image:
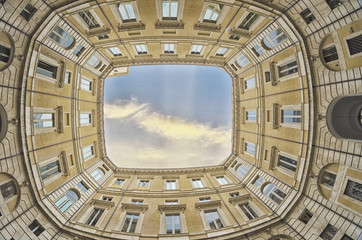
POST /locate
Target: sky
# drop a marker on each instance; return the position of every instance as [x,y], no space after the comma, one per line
[166,116]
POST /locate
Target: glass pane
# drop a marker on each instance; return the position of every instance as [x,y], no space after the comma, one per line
[165,9]
[174,9]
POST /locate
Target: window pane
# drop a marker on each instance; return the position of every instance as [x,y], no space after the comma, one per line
[354,190]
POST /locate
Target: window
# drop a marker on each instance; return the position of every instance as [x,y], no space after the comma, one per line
[108,199]
[43,120]
[102,36]
[89,19]
[250,115]
[274,193]
[67,200]
[50,169]
[305,216]
[287,163]
[36,228]
[329,232]
[346,237]
[205,199]
[234,194]
[221,51]
[257,182]
[85,118]
[78,50]
[330,54]
[94,62]
[257,50]
[85,84]
[291,116]
[171,185]
[242,170]
[197,183]
[88,151]
[97,174]
[274,38]
[126,11]
[137,201]
[212,12]
[234,37]
[355,45]
[130,222]
[242,61]
[250,83]
[250,148]
[141,49]
[94,217]
[8,189]
[61,37]
[267,76]
[287,69]
[144,183]
[82,187]
[171,202]
[333,3]
[353,190]
[213,219]
[168,48]
[4,53]
[169,9]
[307,15]
[115,51]
[67,77]
[222,180]
[119,181]
[47,69]
[328,179]
[234,67]
[248,211]
[248,21]
[27,13]
[196,49]
[173,223]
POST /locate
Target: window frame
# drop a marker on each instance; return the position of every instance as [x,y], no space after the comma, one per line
[344,186]
[199,180]
[348,37]
[272,191]
[167,185]
[165,51]
[194,49]
[222,183]
[83,23]
[144,49]
[251,111]
[245,83]
[130,223]
[57,114]
[253,24]
[95,177]
[223,52]
[90,88]
[90,219]
[68,199]
[272,41]
[15,192]
[53,177]
[246,143]
[92,149]
[51,62]
[62,38]
[293,108]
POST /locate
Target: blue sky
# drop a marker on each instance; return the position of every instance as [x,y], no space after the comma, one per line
[168,116]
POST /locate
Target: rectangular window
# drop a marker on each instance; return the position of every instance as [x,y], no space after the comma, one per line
[250,83]
[43,120]
[126,11]
[221,51]
[8,189]
[119,181]
[222,180]
[141,49]
[47,69]
[287,69]
[78,50]
[4,53]
[305,216]
[213,219]
[108,199]
[257,182]
[171,185]
[196,49]
[333,3]
[248,211]
[169,9]
[205,199]
[257,50]
[94,217]
[329,232]
[197,183]
[85,118]
[49,170]
[234,67]
[234,37]
[130,222]
[346,237]
[355,45]
[89,19]
[267,76]
[36,228]
[137,201]
[115,51]
[248,21]
[85,84]
[168,48]
[307,15]
[250,148]
[212,12]
[82,187]
[144,183]
[173,223]
[330,54]
[234,194]
[354,190]
[250,115]
[102,36]
[88,151]
[291,116]
[28,12]
[67,77]
[171,202]
[287,163]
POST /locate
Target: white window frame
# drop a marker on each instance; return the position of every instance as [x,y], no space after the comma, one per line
[115,52]
[116,179]
[243,173]
[198,186]
[222,183]
[130,222]
[82,116]
[95,177]
[273,42]
[171,180]
[195,47]
[297,125]
[64,203]
[253,25]
[51,62]
[242,63]
[91,62]
[272,192]
[88,213]
[55,176]
[171,202]
[93,150]
[143,47]
[63,38]
[83,24]
[248,79]
[253,206]
[90,89]
[251,115]
[222,51]
[144,180]
[180,8]
[56,123]
[221,217]
[118,16]
[285,170]
[167,47]
[246,143]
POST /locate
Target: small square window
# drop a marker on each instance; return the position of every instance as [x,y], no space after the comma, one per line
[36,228]
[257,50]
[196,49]
[353,190]
[305,216]
[141,49]
[307,15]
[78,50]
[329,232]
[171,185]
[333,3]
[248,21]
[144,183]
[355,45]
[169,48]
[82,187]
[115,51]
[28,12]
[221,51]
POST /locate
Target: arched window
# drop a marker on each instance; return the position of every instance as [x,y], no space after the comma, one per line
[242,61]
[3,122]
[67,200]
[274,193]
[242,170]
[62,37]
[274,38]
[94,62]
[97,174]
[7,49]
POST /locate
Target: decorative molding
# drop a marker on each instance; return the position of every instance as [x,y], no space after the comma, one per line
[134,207]
[209,204]
[175,207]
